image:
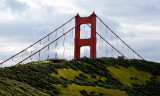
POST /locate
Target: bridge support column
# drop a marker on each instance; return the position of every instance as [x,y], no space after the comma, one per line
[78,43]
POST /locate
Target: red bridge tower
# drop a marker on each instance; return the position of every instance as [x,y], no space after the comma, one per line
[78,43]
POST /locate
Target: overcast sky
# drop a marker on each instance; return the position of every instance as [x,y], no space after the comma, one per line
[137,22]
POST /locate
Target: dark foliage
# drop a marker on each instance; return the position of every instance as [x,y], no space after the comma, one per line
[152,88]
[38,75]
[84,93]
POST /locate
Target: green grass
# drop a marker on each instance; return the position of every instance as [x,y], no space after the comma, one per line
[108,76]
[129,75]
[14,88]
[67,73]
[89,78]
[70,74]
[74,90]
[158,79]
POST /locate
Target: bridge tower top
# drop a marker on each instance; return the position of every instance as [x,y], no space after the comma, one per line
[78,43]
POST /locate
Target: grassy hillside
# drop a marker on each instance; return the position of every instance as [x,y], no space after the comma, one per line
[82,77]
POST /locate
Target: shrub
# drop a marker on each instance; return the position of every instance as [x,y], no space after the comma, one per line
[84,93]
[92,93]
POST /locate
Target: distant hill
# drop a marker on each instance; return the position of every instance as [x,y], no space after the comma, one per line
[82,77]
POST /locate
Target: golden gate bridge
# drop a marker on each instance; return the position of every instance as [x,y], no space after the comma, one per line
[80,36]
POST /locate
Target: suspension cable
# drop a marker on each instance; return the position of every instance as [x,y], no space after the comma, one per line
[46,46]
[119,38]
[111,45]
[38,41]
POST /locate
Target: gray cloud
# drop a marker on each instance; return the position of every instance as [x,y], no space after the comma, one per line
[28,24]
[15,5]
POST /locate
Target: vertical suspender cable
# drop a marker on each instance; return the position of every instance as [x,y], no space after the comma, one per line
[106,53]
[100,39]
[69,37]
[128,52]
[63,44]
[71,45]
[133,55]
[48,50]
[106,44]
[40,51]
[122,48]
[111,47]
[22,55]
[31,57]
[70,42]
[56,48]
[102,49]
[117,47]
[12,61]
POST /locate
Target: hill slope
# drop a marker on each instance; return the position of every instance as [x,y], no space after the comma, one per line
[78,77]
